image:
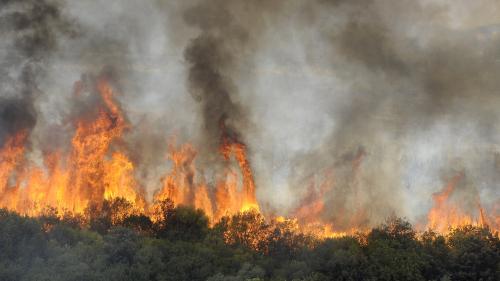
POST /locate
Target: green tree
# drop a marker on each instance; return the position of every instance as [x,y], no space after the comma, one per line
[393,252]
[475,254]
[110,213]
[121,244]
[186,223]
[340,259]
[141,223]
[436,254]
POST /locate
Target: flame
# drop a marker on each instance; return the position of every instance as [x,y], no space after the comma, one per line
[11,155]
[228,148]
[448,213]
[314,218]
[179,183]
[232,193]
[95,168]
[202,200]
[88,174]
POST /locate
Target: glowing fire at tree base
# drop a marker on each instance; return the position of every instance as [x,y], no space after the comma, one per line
[95,170]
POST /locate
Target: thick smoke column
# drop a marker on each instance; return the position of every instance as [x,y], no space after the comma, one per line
[227,40]
[211,57]
[30,31]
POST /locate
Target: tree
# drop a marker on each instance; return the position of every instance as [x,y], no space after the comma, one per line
[162,212]
[110,213]
[436,254]
[340,258]
[121,244]
[474,253]
[248,229]
[186,223]
[20,238]
[141,223]
[393,252]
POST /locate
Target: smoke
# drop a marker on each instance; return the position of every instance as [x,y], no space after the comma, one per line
[211,58]
[374,103]
[227,40]
[123,42]
[30,31]
[406,72]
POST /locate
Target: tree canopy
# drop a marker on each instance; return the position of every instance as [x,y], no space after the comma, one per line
[113,242]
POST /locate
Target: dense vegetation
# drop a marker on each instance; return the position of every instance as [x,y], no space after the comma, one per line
[113,243]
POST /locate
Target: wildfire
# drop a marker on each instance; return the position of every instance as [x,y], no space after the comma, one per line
[312,212]
[88,174]
[448,212]
[231,195]
[96,168]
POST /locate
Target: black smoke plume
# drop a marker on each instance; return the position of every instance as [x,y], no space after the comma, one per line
[30,31]
[211,57]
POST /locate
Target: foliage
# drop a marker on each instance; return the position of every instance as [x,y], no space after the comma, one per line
[176,243]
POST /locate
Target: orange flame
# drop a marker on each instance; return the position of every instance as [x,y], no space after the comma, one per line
[247,199]
[313,217]
[96,169]
[448,213]
[181,187]
[70,183]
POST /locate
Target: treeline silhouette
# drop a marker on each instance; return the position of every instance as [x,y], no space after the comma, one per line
[114,242]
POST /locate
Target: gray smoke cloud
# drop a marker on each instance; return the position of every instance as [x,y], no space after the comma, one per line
[121,42]
[30,32]
[211,57]
[227,40]
[378,103]
[406,73]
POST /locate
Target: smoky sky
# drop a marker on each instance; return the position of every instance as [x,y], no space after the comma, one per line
[209,75]
[30,33]
[227,40]
[405,76]
[408,89]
